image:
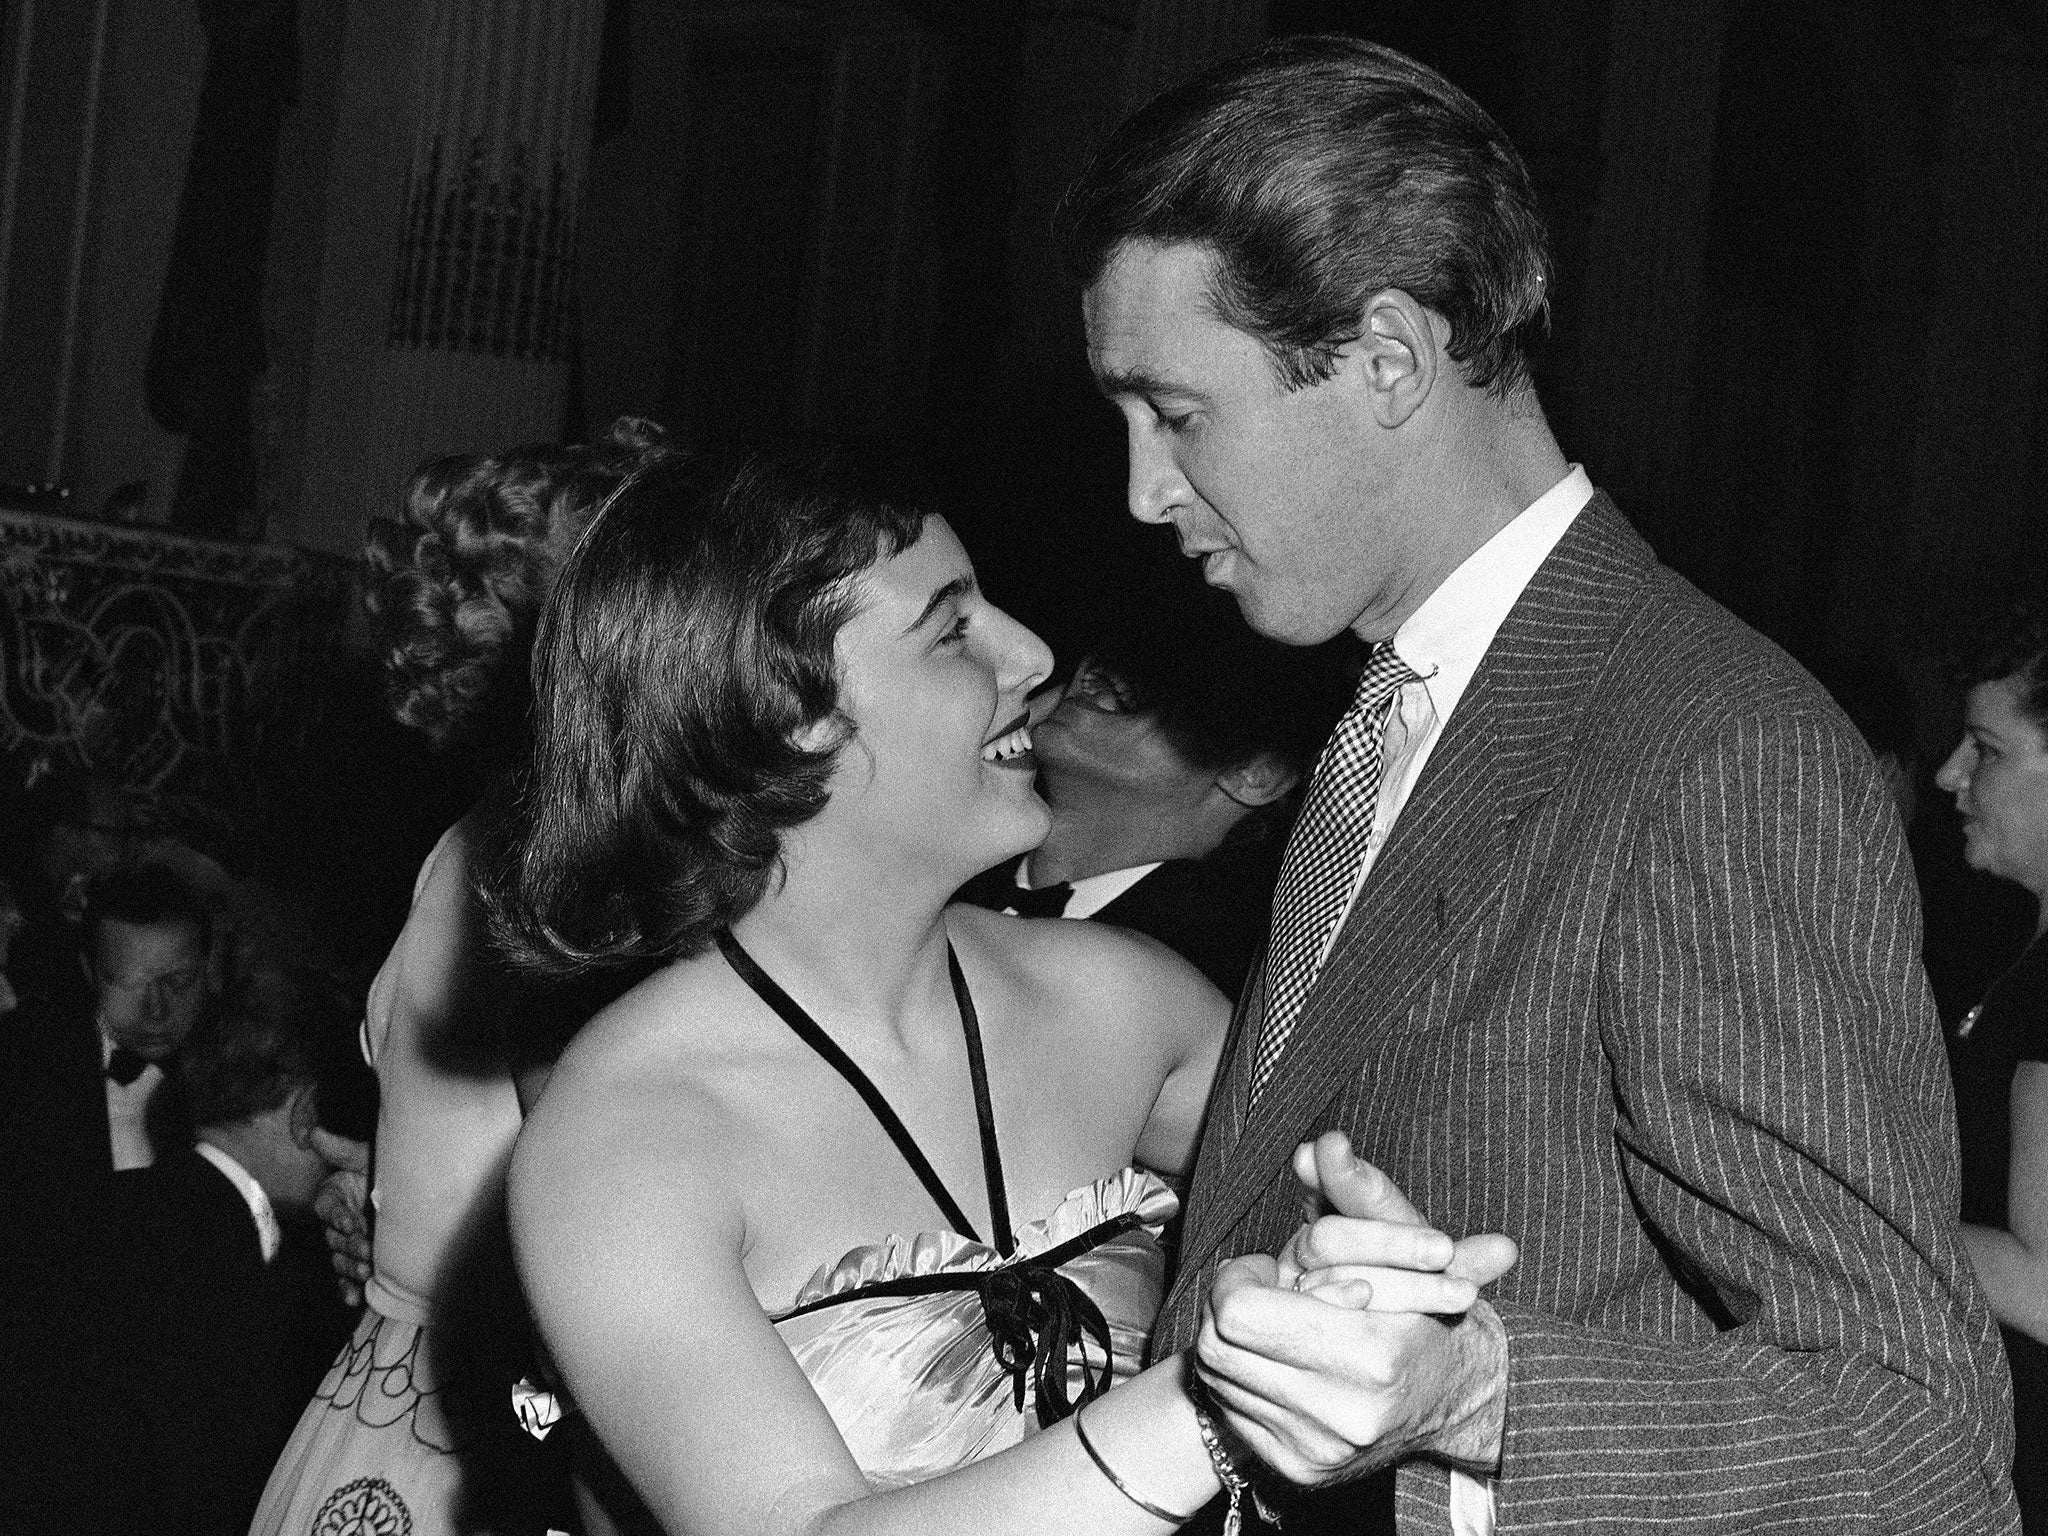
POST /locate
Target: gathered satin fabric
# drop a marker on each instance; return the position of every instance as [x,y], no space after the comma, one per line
[913,1382]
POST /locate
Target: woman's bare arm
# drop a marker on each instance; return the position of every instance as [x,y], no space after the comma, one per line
[631,1255]
[2013,1262]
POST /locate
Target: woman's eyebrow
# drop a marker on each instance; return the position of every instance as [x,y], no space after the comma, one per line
[958,587]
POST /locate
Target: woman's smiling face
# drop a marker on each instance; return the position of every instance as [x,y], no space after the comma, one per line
[1998,774]
[933,679]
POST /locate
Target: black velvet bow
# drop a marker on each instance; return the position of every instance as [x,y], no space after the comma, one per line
[1038,1320]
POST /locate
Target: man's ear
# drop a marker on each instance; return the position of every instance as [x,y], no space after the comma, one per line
[1258,780]
[1397,355]
[304,1118]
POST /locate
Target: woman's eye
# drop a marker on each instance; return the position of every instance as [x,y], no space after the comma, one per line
[955,632]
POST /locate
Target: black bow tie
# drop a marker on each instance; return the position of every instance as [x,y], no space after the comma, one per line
[124,1066]
[1041,901]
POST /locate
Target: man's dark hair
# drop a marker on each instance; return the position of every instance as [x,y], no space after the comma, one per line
[2012,642]
[686,649]
[146,895]
[1222,694]
[1319,171]
[258,1046]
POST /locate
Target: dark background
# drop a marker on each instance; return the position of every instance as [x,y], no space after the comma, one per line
[1798,321]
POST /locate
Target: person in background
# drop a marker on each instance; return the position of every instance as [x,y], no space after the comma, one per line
[88,1097]
[412,1428]
[217,1317]
[1170,761]
[87,1086]
[72,825]
[1998,1051]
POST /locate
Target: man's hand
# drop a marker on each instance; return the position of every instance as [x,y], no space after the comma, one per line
[1411,1262]
[342,1204]
[1365,1343]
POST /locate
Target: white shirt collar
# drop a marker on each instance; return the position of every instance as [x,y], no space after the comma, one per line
[1093,892]
[268,1232]
[1446,638]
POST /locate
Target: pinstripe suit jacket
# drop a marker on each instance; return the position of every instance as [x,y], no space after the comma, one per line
[1636,981]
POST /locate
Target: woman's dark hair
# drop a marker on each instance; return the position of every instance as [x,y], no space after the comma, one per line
[455,586]
[2012,642]
[686,650]
[1319,171]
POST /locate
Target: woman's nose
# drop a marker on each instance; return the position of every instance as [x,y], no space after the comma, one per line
[1025,660]
[1954,773]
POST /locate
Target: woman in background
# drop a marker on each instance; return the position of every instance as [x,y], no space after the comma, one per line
[1998,1052]
[412,1429]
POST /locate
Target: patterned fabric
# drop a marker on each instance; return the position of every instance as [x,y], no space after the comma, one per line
[395,1441]
[911,1381]
[1636,981]
[1324,852]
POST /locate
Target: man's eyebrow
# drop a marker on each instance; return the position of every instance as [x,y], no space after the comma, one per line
[958,587]
[1114,382]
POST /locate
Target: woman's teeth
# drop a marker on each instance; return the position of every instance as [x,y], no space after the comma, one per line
[1005,747]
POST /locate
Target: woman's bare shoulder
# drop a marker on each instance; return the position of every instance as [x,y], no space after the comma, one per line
[630,1099]
[1091,972]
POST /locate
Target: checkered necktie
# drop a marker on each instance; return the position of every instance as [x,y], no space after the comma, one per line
[1324,853]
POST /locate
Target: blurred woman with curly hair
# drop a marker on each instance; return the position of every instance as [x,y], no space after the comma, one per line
[411,1430]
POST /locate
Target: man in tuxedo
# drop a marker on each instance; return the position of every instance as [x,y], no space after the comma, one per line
[1170,761]
[88,1095]
[1596,928]
[87,1081]
[213,1317]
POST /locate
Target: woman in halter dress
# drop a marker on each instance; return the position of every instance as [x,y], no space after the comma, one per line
[831,1223]
[412,1429]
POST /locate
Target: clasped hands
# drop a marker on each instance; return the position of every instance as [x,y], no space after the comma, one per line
[1364,1341]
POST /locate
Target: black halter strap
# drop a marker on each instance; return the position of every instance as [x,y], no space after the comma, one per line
[807,1029]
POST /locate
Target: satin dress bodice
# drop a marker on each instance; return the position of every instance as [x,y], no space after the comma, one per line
[914,1382]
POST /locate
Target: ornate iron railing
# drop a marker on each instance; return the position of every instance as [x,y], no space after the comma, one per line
[149,655]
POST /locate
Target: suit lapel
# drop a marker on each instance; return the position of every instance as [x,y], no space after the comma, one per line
[1442,869]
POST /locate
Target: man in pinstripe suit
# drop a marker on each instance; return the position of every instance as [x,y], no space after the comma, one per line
[1621,949]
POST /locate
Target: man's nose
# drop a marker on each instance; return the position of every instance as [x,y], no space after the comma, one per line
[1157,485]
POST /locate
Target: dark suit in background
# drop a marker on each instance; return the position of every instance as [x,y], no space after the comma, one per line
[1213,912]
[1636,981]
[60,1201]
[215,1352]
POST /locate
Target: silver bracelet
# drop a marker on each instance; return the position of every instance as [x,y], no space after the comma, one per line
[1235,1485]
[1119,1484]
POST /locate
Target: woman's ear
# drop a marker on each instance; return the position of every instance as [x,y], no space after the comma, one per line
[825,734]
[1258,780]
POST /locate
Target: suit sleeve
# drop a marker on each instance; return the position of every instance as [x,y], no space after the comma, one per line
[1785,1127]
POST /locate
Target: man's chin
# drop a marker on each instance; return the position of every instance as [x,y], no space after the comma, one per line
[1280,622]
